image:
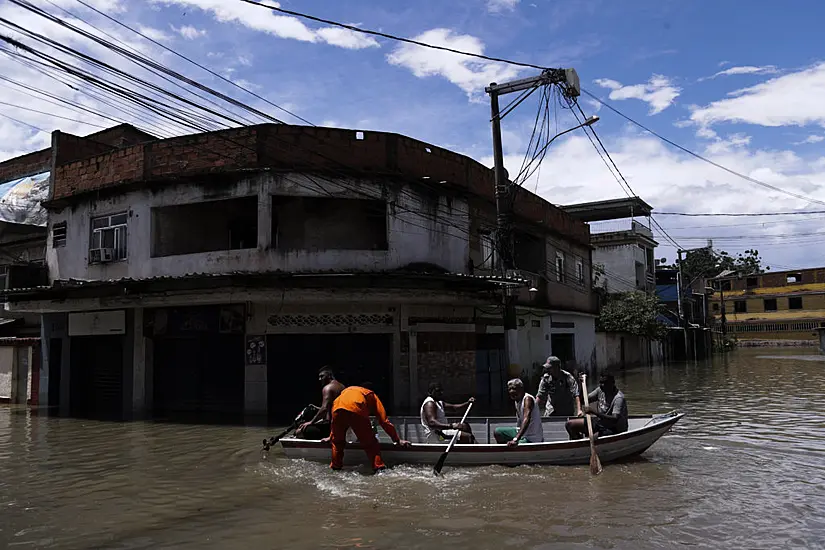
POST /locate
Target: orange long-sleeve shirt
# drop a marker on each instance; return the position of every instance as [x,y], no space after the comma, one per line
[364,402]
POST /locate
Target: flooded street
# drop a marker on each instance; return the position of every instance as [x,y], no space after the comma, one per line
[744,469]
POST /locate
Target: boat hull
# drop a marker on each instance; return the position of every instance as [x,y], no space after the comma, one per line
[610,449]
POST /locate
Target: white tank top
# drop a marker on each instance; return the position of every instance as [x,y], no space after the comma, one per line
[440,415]
[535,431]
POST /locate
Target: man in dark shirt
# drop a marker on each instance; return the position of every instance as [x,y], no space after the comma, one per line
[609,407]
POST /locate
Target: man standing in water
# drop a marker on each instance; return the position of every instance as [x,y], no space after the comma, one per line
[529,428]
[558,393]
[352,409]
[610,411]
[319,426]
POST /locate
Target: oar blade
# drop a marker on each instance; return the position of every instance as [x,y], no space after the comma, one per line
[595,463]
[440,464]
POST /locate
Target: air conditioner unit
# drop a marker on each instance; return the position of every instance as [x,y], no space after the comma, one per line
[101,255]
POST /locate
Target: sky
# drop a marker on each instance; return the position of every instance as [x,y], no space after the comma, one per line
[742,88]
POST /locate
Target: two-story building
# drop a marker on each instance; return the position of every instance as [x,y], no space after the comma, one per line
[215,273]
[776,306]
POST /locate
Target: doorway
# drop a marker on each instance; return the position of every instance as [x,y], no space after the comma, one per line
[563,346]
[293,361]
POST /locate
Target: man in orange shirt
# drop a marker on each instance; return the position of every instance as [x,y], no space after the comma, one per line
[352,409]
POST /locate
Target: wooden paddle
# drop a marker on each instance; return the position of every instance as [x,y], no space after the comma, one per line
[595,463]
[443,458]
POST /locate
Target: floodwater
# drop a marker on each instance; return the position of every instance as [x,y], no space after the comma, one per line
[744,469]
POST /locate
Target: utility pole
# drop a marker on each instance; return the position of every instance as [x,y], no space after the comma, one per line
[568,80]
[680,281]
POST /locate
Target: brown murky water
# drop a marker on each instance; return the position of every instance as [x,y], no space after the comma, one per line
[744,469]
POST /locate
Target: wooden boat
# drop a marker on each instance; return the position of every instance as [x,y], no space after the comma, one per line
[557,449]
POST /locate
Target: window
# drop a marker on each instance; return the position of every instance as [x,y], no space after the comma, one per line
[535,323]
[580,271]
[795,302]
[715,307]
[4,277]
[326,223]
[793,278]
[560,266]
[752,282]
[209,226]
[770,304]
[59,234]
[108,239]
[725,285]
[740,306]
[488,250]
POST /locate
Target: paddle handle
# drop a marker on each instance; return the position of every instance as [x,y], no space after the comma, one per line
[457,432]
[587,414]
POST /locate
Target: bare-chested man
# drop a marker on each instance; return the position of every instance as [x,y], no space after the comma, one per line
[319,426]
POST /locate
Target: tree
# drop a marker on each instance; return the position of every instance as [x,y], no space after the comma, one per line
[705,262]
[633,312]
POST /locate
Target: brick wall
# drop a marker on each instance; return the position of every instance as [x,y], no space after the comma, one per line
[449,358]
[25,165]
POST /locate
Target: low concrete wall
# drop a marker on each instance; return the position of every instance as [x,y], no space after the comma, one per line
[637,350]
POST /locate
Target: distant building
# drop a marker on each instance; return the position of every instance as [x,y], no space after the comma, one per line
[623,261]
[785,305]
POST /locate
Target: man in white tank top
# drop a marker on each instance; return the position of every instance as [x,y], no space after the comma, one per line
[434,418]
[530,429]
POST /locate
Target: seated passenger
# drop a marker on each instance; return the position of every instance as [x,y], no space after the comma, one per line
[609,407]
[529,428]
[434,418]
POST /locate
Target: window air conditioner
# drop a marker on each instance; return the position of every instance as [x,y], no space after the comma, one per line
[101,255]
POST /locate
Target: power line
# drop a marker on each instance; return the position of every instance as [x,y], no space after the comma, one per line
[50,114]
[210,71]
[390,36]
[700,157]
[742,214]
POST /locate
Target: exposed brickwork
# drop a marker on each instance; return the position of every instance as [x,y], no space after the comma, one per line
[780,278]
[25,165]
[302,148]
[449,358]
[69,148]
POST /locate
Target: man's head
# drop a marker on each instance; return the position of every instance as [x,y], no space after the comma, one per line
[436,391]
[515,388]
[607,383]
[325,375]
[552,366]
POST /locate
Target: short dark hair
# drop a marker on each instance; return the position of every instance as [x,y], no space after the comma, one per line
[326,370]
[433,386]
[607,377]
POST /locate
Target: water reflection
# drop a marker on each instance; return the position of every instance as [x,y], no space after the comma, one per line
[744,469]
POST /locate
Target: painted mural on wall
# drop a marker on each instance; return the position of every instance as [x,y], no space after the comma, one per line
[20,200]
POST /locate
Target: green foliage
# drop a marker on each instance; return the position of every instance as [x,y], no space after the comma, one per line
[707,263]
[633,312]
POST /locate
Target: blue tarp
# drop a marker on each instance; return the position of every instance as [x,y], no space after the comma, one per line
[20,200]
[667,293]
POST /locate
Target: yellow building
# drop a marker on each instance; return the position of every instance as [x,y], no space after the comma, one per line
[787,305]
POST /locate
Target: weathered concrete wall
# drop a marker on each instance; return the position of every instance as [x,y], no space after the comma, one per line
[584,331]
[420,229]
[620,267]
[637,350]
[6,365]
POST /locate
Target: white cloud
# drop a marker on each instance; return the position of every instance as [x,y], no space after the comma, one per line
[497,6]
[155,34]
[658,92]
[189,32]
[793,99]
[469,74]
[282,26]
[664,178]
[810,139]
[746,69]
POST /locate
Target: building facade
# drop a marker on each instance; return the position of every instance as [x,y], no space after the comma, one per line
[786,305]
[216,273]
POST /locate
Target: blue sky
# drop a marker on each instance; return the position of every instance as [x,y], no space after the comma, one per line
[740,86]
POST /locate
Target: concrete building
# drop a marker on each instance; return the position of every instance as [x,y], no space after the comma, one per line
[623,260]
[778,306]
[215,273]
